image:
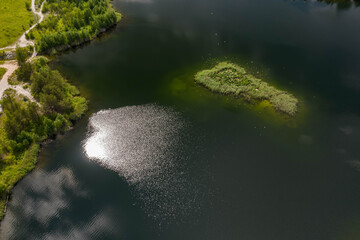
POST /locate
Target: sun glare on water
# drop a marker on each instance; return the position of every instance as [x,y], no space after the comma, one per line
[143,144]
[95,148]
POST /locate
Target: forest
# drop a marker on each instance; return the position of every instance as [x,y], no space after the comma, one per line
[25,124]
[71,23]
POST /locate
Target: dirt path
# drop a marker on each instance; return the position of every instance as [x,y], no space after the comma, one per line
[11,66]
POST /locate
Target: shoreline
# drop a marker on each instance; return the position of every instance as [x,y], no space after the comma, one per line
[65,48]
[29,158]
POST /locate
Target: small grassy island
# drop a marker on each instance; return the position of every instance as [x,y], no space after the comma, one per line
[228,78]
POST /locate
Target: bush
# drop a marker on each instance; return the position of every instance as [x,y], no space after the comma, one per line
[21,55]
[23,73]
[28,6]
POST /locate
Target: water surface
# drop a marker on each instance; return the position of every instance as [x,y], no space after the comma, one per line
[223,170]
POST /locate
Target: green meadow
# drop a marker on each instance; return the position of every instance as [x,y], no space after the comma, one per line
[15,18]
[2,72]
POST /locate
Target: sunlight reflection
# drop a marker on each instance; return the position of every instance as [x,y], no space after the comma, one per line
[144,144]
[95,146]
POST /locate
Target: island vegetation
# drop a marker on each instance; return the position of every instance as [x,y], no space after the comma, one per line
[15,18]
[228,78]
[54,105]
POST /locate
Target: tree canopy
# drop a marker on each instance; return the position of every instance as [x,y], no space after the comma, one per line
[72,22]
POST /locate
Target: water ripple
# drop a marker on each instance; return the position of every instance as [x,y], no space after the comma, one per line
[145,145]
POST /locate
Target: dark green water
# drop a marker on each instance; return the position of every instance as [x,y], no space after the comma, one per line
[239,173]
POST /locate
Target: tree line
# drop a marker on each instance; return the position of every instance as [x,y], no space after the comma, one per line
[24,122]
[72,22]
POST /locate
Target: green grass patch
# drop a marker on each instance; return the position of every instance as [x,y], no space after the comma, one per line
[13,173]
[228,78]
[2,72]
[15,19]
[3,199]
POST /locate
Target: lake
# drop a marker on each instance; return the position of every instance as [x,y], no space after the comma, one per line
[159,157]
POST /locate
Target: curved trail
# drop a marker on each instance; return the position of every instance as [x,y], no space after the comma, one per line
[11,66]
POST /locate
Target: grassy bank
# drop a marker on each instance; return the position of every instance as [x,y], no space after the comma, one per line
[15,18]
[11,174]
[2,72]
[227,78]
